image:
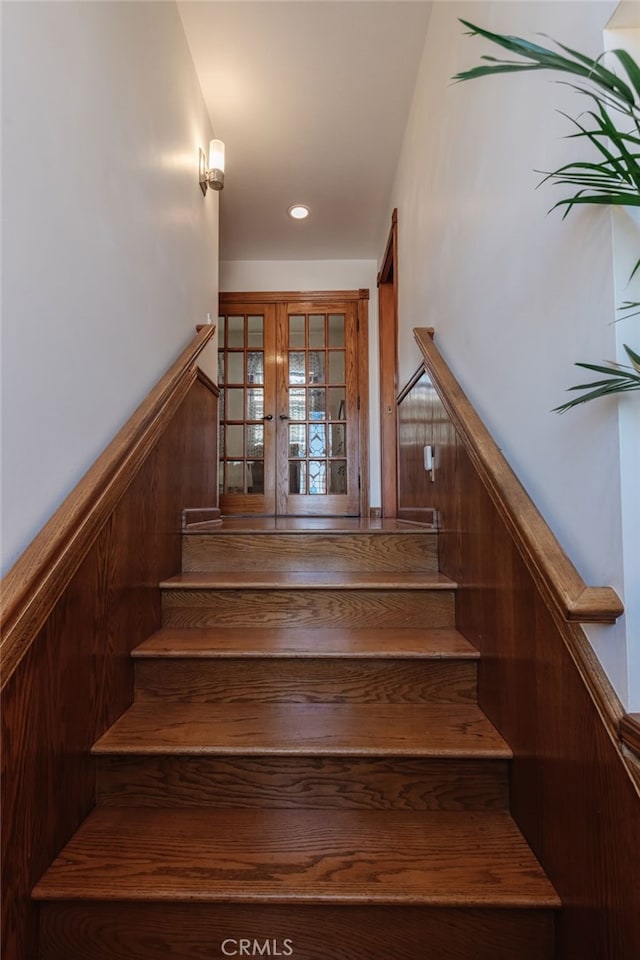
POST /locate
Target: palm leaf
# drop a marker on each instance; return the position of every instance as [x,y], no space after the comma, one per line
[596,395]
[613,180]
[620,379]
[541,58]
[612,369]
[618,172]
[595,383]
[601,75]
[628,305]
[631,68]
[609,200]
[633,356]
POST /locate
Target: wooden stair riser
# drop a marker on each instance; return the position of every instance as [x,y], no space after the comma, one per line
[339,608]
[356,783]
[335,680]
[184,931]
[310,551]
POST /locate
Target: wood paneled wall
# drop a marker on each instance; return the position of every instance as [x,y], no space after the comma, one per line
[70,680]
[572,790]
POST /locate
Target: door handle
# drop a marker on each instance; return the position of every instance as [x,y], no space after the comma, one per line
[284,416]
[269,416]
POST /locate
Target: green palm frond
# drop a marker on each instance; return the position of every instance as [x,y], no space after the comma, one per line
[611,178]
[620,378]
[629,308]
[537,57]
[614,178]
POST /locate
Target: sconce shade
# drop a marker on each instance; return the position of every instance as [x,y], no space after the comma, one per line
[216,155]
[212,176]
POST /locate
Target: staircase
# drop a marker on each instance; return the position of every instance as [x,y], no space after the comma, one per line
[305,770]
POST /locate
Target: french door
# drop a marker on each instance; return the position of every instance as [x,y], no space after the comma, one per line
[289,423]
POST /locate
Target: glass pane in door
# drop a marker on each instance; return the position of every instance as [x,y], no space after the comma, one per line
[336,403]
[255,440]
[255,331]
[336,330]
[297,440]
[296,332]
[338,476]
[234,441]
[255,367]
[336,366]
[316,366]
[298,477]
[241,364]
[235,332]
[317,476]
[316,374]
[337,439]
[298,404]
[316,330]
[235,368]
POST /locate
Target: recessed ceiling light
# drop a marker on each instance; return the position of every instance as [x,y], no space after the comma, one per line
[298,211]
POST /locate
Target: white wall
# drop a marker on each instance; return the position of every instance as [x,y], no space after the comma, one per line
[516,295]
[293,275]
[626,238]
[109,248]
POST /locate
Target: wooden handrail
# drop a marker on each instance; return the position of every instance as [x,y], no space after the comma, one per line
[630,732]
[35,582]
[555,575]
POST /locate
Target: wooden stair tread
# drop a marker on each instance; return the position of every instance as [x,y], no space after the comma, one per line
[298,856]
[320,729]
[308,580]
[388,642]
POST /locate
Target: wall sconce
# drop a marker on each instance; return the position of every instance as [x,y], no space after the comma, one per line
[212,175]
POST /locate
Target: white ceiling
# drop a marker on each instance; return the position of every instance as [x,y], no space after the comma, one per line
[311,98]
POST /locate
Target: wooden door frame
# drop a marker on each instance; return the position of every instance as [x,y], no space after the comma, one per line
[361,296]
[388,340]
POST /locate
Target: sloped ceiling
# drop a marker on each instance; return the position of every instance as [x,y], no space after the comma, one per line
[311,99]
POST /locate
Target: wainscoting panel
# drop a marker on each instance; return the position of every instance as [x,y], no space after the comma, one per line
[572,793]
[75,676]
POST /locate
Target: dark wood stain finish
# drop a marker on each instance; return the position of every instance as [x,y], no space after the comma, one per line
[356,783]
[76,676]
[337,680]
[375,551]
[388,351]
[299,856]
[317,933]
[630,732]
[307,642]
[571,791]
[295,751]
[319,729]
[331,608]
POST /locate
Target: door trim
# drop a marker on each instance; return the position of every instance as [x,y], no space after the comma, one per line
[361,296]
[272,296]
[388,334]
